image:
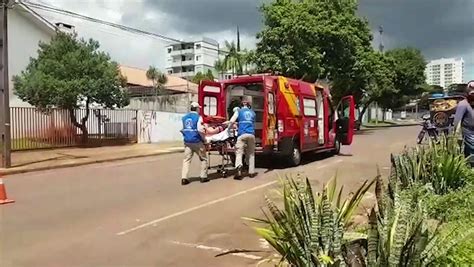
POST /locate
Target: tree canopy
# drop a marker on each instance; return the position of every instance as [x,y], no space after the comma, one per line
[203,77]
[71,73]
[319,39]
[158,79]
[312,39]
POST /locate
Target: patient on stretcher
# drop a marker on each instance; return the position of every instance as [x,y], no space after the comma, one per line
[222,132]
[219,133]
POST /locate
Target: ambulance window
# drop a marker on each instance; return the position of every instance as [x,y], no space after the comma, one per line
[309,107]
[271,104]
[210,106]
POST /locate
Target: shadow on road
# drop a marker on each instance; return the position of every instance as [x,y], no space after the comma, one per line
[62,156]
[365,132]
[276,163]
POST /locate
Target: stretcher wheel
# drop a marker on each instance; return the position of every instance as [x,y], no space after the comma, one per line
[224,174]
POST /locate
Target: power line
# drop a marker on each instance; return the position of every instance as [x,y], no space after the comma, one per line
[107,23]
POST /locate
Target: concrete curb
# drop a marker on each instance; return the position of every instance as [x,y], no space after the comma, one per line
[391,126]
[76,164]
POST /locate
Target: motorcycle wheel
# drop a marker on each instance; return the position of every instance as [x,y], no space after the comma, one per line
[433,135]
[420,137]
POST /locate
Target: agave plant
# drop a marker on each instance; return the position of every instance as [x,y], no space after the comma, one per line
[400,233]
[441,165]
[310,230]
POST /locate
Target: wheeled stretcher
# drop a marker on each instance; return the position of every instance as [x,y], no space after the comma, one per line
[222,144]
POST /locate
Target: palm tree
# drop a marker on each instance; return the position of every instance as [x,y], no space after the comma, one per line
[157,78]
[220,67]
[233,59]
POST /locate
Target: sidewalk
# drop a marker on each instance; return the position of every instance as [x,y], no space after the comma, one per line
[388,124]
[36,160]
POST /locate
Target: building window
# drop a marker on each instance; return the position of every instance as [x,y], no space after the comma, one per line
[210,106]
[170,72]
[309,107]
[198,46]
[169,50]
[198,58]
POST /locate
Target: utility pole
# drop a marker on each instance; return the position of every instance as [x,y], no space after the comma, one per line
[381,48]
[4,90]
[381,45]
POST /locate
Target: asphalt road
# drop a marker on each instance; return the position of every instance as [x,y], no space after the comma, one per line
[136,213]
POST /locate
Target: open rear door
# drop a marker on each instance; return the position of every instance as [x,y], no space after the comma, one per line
[346,120]
[269,113]
[212,99]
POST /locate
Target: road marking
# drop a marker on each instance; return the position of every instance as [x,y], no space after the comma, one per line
[207,204]
[219,250]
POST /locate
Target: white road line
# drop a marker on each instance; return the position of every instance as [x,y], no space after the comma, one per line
[219,250]
[207,204]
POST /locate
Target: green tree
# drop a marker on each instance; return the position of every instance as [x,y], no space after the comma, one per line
[203,77]
[233,59]
[249,59]
[312,39]
[71,73]
[220,67]
[377,77]
[459,88]
[409,66]
[157,78]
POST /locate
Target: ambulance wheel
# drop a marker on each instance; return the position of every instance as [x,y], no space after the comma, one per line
[337,147]
[295,157]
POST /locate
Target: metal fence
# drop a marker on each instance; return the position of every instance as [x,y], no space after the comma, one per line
[34,129]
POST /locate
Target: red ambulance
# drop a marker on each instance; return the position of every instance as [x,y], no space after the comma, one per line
[292,116]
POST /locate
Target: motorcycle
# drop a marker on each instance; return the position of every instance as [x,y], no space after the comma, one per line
[429,128]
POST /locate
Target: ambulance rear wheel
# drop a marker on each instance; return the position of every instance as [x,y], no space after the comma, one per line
[337,147]
[295,157]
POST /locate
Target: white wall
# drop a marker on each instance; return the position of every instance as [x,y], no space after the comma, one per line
[178,103]
[23,36]
[156,127]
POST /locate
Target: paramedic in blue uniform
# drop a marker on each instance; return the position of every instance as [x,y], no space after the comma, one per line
[193,134]
[245,117]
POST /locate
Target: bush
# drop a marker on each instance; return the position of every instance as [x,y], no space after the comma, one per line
[311,230]
[456,208]
[441,165]
[402,234]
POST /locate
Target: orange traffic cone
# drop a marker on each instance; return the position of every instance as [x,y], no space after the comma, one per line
[3,194]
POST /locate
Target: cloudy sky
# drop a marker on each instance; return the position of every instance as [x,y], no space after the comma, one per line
[440,28]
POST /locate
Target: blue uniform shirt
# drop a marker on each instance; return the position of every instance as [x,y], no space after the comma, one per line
[190,131]
[246,121]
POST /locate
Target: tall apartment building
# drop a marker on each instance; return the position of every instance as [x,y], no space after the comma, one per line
[445,71]
[185,59]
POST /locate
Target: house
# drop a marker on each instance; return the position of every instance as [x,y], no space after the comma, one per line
[140,85]
[26,28]
[177,95]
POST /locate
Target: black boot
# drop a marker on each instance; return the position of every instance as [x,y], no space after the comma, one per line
[253,175]
[204,180]
[184,181]
[238,173]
